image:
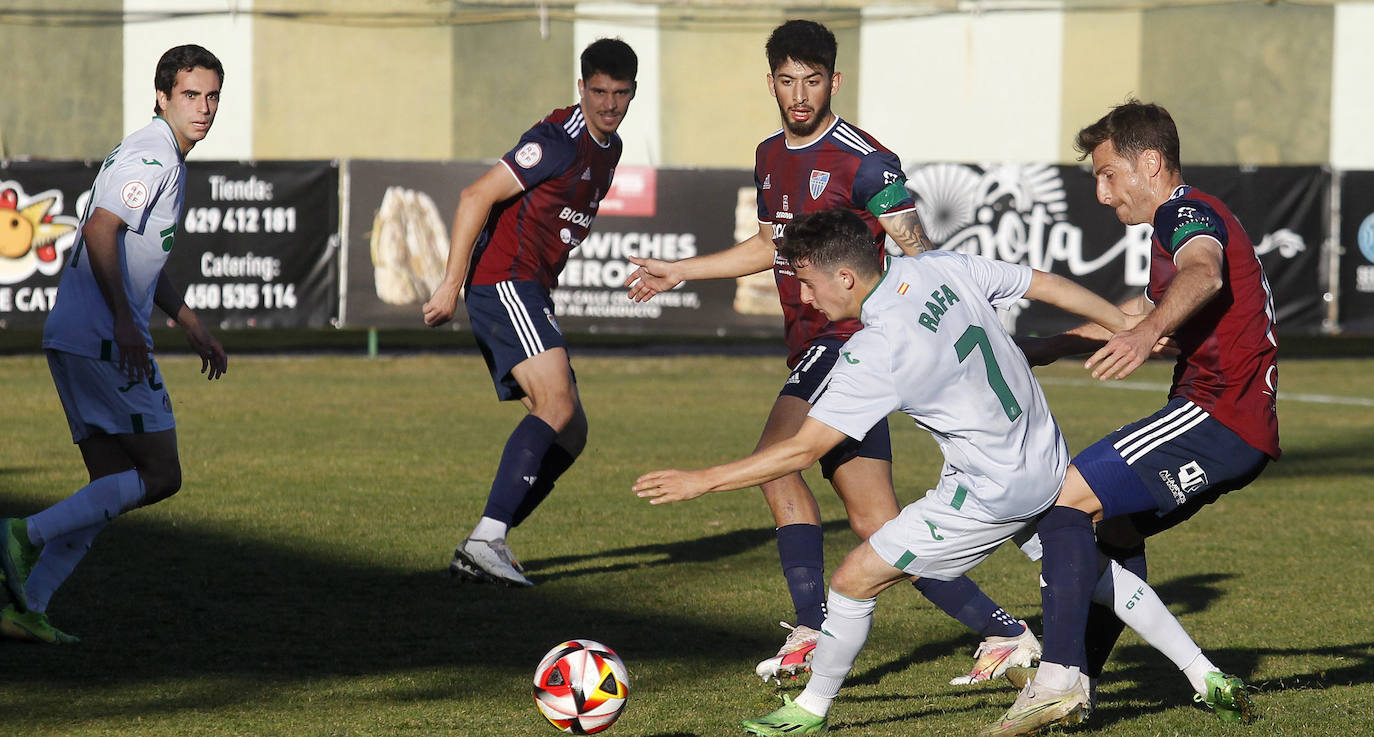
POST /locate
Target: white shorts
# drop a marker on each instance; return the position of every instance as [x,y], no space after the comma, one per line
[931,539]
[99,398]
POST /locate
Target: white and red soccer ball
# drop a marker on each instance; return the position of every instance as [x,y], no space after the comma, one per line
[581,686]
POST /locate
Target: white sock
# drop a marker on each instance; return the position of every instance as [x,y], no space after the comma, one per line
[843,634]
[490,529]
[1141,609]
[95,503]
[56,563]
[1197,671]
[1056,677]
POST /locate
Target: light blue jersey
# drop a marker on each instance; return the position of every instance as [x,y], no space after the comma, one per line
[143,182]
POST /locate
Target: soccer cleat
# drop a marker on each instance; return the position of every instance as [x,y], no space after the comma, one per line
[1037,709]
[17,556]
[32,627]
[1019,676]
[1227,697]
[996,654]
[788,720]
[793,658]
[487,560]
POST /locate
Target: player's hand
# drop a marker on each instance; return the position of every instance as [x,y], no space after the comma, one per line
[134,358]
[1166,347]
[1123,354]
[652,276]
[214,362]
[671,485]
[442,304]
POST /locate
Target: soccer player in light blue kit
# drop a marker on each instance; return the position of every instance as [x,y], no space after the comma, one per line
[100,350]
[932,346]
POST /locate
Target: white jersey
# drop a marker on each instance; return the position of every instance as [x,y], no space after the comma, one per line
[933,347]
[143,182]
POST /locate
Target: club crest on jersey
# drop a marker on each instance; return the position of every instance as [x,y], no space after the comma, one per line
[818,181]
[529,155]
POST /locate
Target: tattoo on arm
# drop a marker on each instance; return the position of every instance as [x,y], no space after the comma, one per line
[906,229]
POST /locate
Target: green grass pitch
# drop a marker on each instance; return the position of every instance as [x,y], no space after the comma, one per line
[298,586]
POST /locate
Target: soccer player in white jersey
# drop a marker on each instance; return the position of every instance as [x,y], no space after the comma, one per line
[100,350]
[933,347]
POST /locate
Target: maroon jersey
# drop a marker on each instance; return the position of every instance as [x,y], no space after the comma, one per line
[1229,360]
[564,173]
[844,168]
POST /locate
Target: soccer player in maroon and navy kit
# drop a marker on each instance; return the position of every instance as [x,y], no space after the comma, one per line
[818,161]
[512,234]
[1216,434]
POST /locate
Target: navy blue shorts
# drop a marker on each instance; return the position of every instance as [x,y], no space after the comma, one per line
[1169,464]
[512,321]
[808,381]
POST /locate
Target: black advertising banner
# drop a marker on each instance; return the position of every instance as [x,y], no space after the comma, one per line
[255,246]
[398,241]
[40,207]
[258,243]
[1357,262]
[1048,217]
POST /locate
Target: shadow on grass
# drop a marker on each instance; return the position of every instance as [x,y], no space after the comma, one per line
[700,550]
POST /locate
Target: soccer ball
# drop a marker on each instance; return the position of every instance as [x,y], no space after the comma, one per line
[580,686]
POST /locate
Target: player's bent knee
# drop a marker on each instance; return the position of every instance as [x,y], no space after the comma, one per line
[160,484]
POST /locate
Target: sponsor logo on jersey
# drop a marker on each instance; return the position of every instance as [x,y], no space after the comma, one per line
[891,176]
[152,162]
[529,155]
[1192,477]
[565,235]
[587,174]
[848,358]
[575,217]
[818,181]
[134,194]
[767,181]
[785,205]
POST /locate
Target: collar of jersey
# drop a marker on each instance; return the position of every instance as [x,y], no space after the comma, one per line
[887,268]
[181,158]
[819,138]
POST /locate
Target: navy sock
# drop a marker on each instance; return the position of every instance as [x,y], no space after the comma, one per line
[964,601]
[803,564]
[1104,628]
[525,449]
[555,462]
[1069,570]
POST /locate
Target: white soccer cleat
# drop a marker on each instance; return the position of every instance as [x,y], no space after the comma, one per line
[793,658]
[488,560]
[1037,709]
[996,654]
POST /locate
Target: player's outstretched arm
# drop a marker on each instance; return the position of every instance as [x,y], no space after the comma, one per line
[100,235]
[474,206]
[793,454]
[1197,281]
[750,256]
[1085,338]
[214,362]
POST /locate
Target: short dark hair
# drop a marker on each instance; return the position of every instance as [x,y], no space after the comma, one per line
[1133,127]
[611,57]
[179,59]
[831,239]
[804,41]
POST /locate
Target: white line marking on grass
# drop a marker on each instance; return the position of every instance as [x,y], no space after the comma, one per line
[1155,387]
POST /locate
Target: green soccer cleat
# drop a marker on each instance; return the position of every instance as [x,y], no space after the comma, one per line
[790,719]
[1227,697]
[32,627]
[17,556]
